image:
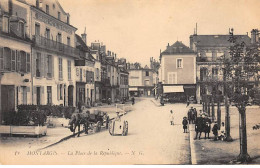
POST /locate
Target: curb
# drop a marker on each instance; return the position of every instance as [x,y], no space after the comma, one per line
[192,145]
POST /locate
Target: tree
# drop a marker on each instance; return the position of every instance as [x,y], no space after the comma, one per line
[242,66]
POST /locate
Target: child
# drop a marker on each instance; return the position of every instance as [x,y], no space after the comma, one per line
[222,132]
[171,118]
[184,123]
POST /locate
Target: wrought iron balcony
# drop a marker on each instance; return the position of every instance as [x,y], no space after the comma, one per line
[55,46]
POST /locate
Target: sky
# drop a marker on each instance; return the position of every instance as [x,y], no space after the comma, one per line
[138,29]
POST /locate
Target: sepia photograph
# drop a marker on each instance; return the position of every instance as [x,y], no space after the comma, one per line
[129,82]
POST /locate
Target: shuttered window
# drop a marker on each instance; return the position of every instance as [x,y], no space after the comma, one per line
[1,59]
[13,61]
[60,69]
[38,65]
[18,61]
[28,63]
[69,70]
[7,59]
[23,61]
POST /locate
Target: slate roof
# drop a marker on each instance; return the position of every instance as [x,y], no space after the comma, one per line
[177,48]
[217,40]
[82,46]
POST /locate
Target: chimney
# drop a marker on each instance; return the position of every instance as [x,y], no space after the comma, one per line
[253,36]
[168,45]
[84,36]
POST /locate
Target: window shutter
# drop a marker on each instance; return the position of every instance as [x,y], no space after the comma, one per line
[28,62]
[34,56]
[43,65]
[46,65]
[18,61]
[1,58]
[58,92]
[52,66]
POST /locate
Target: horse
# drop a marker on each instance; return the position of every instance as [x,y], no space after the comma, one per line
[77,119]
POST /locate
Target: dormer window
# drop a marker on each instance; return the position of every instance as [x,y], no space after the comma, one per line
[6,24]
[47,9]
[21,28]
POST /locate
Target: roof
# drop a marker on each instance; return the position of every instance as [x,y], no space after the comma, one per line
[177,48]
[217,40]
[82,46]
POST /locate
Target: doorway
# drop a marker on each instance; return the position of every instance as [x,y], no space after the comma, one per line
[70,95]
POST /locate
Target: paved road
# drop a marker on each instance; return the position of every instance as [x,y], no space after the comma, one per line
[151,140]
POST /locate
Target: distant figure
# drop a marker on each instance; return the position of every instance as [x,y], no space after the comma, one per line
[215,131]
[133,100]
[222,135]
[184,123]
[171,117]
[195,114]
[188,102]
[118,117]
[109,101]
[190,115]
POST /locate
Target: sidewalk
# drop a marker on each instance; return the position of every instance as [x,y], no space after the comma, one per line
[53,134]
[207,151]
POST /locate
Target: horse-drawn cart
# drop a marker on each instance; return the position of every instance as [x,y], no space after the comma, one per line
[97,119]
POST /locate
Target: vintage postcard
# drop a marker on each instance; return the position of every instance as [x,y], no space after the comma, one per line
[140,82]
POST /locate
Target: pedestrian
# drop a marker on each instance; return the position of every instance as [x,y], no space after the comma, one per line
[215,131]
[171,117]
[118,117]
[222,132]
[188,102]
[133,100]
[195,114]
[109,101]
[190,117]
[184,123]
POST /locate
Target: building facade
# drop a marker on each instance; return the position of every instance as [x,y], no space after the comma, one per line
[178,72]
[15,57]
[211,49]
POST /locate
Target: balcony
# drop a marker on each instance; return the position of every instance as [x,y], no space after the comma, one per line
[55,46]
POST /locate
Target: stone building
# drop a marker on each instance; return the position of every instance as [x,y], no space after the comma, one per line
[178,72]
[15,57]
[210,48]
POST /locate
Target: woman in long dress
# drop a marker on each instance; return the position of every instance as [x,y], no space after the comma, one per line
[171,117]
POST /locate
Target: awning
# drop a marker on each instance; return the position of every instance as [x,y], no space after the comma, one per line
[133,89]
[172,89]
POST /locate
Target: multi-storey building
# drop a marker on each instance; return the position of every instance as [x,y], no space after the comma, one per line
[85,79]
[53,54]
[123,79]
[178,72]
[15,57]
[210,51]
[141,80]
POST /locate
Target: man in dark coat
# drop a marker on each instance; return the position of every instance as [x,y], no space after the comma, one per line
[190,117]
[199,126]
[215,131]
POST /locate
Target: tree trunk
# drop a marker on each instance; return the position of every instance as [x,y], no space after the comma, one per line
[243,156]
[213,109]
[219,115]
[227,124]
[208,109]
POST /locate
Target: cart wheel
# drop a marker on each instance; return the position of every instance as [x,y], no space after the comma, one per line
[110,128]
[125,129]
[98,127]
